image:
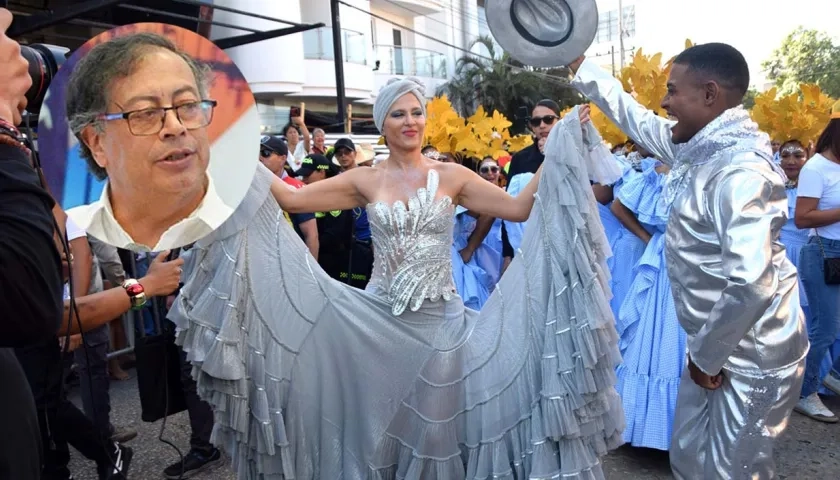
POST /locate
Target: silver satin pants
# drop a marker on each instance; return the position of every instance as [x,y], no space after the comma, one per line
[729,433]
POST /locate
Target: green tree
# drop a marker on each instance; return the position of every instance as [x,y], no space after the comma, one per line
[805,56]
[749,98]
[505,85]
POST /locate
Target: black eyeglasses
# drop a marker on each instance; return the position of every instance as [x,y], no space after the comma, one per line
[489,169]
[150,121]
[264,152]
[547,119]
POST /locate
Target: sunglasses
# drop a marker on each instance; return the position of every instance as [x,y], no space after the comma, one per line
[547,119]
[264,152]
[488,169]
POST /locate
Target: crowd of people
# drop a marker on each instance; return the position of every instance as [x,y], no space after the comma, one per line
[423,316]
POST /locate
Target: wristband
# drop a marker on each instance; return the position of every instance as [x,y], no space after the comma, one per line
[10,135]
[136,293]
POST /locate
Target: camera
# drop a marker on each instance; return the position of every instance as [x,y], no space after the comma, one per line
[44,62]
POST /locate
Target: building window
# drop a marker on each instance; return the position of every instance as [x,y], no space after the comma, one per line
[608,25]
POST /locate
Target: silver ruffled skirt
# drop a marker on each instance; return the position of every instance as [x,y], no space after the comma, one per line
[312,379]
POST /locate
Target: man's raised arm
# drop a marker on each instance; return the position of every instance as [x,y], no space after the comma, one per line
[640,124]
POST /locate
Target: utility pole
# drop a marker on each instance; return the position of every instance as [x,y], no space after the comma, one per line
[621,31]
[339,64]
[612,54]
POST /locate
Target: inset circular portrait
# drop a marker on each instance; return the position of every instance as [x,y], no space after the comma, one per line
[149,137]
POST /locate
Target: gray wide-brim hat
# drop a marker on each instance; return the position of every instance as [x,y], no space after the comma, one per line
[543,33]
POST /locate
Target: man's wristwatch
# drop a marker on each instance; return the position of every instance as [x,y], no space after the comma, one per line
[135,292]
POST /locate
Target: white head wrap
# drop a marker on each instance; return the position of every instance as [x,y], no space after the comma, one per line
[391,92]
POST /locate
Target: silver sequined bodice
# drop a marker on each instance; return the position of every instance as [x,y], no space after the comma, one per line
[412,247]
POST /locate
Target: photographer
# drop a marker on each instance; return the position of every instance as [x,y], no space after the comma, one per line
[30,281]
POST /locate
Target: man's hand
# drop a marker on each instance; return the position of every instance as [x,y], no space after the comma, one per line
[14,74]
[706,381]
[163,277]
[574,66]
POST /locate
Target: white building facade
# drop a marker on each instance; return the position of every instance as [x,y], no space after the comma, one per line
[381,39]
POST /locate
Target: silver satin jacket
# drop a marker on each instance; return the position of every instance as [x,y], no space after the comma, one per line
[735,291]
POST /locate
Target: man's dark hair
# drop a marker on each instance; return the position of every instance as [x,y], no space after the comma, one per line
[720,62]
[549,104]
[87,90]
[830,138]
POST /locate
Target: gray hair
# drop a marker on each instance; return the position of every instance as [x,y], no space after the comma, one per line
[88,89]
[391,92]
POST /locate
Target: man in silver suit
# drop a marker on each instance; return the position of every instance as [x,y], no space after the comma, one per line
[735,292]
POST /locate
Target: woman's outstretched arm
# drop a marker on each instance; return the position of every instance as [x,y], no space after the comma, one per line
[341,192]
[479,195]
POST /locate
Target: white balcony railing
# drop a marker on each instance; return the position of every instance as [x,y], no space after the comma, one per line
[318,45]
[394,60]
[409,8]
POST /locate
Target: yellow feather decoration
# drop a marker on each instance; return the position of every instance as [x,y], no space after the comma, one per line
[799,116]
[479,136]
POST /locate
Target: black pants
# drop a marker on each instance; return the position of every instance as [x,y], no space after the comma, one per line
[67,425]
[359,262]
[61,423]
[200,412]
[93,376]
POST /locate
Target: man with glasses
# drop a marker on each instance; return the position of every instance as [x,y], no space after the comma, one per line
[140,110]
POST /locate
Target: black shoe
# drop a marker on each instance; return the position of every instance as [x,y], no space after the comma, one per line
[194,463]
[118,467]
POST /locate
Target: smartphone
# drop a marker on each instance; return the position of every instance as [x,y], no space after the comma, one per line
[522,113]
[294,112]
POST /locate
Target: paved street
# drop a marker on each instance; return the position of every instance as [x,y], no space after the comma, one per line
[808,450]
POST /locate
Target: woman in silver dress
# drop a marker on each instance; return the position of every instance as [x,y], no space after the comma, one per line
[312,379]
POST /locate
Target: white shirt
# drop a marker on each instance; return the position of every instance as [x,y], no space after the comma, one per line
[74,231]
[820,178]
[98,218]
[295,159]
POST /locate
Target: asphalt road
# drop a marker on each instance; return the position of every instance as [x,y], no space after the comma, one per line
[808,449]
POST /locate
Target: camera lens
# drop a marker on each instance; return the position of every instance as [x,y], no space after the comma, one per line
[44,61]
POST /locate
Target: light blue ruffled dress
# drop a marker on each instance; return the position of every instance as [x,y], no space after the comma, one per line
[794,239]
[652,342]
[626,247]
[473,283]
[488,255]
